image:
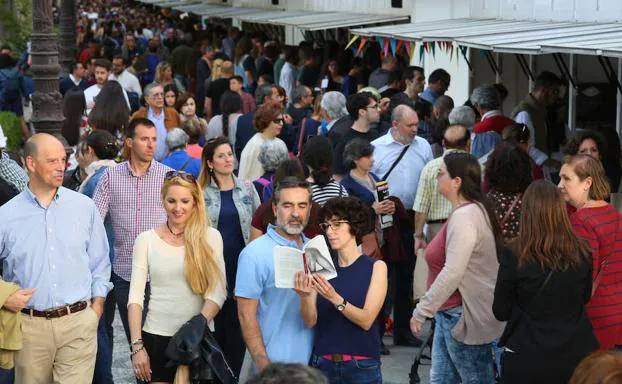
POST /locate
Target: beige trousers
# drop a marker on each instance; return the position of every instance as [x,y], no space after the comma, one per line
[59,351]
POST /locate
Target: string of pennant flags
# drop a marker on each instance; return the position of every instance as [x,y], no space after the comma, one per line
[409,48]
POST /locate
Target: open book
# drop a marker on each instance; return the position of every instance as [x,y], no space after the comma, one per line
[313,258]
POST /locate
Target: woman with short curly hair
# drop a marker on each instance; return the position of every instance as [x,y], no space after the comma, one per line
[593,144]
[268,122]
[343,311]
[508,174]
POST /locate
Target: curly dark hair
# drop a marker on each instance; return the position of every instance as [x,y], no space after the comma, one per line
[508,169]
[572,145]
[353,210]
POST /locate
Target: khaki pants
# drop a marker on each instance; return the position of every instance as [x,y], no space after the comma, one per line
[60,351]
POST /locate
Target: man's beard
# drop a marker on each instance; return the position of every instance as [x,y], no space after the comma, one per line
[293,229]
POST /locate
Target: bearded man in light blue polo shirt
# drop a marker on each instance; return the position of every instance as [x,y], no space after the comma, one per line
[270,317]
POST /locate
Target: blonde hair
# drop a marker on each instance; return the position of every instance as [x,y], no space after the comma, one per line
[217,69]
[201,268]
[159,71]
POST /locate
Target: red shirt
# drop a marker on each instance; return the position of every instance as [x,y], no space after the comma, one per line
[600,227]
[493,123]
[435,257]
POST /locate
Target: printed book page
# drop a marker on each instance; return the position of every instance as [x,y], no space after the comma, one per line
[313,258]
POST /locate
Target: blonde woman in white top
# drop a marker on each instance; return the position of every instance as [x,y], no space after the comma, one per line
[184,261]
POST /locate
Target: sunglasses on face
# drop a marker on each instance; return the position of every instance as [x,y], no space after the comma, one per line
[184,175]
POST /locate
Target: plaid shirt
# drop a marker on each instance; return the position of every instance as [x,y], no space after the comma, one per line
[11,172]
[429,200]
[134,205]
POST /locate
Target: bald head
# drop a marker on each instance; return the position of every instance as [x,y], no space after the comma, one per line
[404,120]
[45,160]
[38,140]
[457,137]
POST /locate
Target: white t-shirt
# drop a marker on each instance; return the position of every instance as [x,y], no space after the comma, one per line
[91,93]
[172,302]
[128,81]
[250,166]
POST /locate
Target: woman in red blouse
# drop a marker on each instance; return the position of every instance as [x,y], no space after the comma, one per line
[584,186]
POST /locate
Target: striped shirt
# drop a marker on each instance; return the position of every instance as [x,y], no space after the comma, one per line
[429,200]
[322,194]
[134,205]
[600,227]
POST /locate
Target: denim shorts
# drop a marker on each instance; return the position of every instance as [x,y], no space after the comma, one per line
[456,362]
[349,372]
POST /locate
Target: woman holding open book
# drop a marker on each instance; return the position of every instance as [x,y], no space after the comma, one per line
[343,311]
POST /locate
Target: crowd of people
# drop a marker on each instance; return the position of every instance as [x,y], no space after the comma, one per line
[190,152]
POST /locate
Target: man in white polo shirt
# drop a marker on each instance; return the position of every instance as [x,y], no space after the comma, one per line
[128,81]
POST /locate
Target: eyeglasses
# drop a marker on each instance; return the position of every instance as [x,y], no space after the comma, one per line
[189,177]
[334,225]
[375,106]
[279,121]
[160,94]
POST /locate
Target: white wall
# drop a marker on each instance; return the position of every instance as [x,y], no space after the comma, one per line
[356,6]
[457,68]
[558,10]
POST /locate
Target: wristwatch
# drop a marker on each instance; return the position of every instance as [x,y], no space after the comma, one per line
[342,306]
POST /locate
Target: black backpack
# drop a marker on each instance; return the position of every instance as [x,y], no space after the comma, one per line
[10,87]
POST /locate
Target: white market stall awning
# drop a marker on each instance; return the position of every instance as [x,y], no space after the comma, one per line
[315,21]
[511,36]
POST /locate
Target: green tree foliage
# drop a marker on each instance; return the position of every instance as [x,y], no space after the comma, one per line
[12,130]
[17,24]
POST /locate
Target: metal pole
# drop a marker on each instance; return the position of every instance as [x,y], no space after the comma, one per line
[47,101]
[572,94]
[619,103]
[532,65]
[67,38]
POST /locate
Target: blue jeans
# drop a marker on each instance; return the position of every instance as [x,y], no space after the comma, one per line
[103,362]
[349,372]
[455,362]
[7,376]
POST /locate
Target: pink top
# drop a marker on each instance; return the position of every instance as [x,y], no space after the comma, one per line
[435,257]
[194,150]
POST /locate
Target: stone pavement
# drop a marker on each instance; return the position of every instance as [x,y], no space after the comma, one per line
[395,368]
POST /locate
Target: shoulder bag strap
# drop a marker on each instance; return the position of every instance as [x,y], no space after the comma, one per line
[301,135]
[603,264]
[183,167]
[507,214]
[386,175]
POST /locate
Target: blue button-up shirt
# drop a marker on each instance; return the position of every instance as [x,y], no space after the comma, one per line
[158,121]
[61,251]
[404,178]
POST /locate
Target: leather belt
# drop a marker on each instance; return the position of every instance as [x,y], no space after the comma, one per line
[338,357]
[57,312]
[441,221]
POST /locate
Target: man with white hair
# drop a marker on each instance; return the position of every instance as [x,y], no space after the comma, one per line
[399,157]
[178,158]
[462,115]
[334,104]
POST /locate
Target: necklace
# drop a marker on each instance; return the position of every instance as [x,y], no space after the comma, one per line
[176,235]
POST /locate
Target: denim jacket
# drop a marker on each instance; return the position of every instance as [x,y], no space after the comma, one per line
[245,198]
